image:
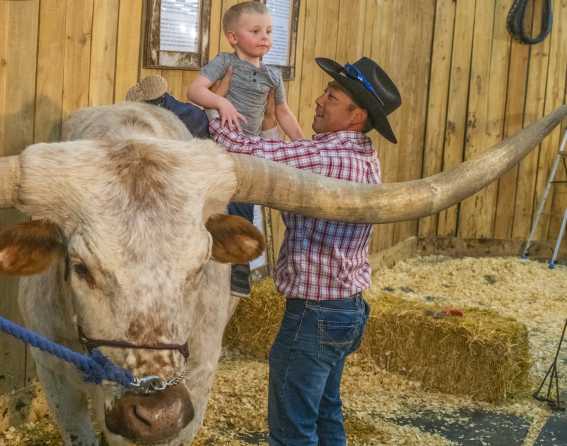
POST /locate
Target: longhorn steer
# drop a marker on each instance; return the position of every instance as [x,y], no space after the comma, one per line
[132,242]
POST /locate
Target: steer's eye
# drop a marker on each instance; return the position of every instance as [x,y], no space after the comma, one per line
[83,273]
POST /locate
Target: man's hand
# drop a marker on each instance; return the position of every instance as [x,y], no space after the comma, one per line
[270,120]
[228,113]
[222,86]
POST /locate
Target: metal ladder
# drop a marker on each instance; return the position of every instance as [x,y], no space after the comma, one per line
[560,157]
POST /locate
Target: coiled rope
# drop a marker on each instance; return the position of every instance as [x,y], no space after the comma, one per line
[515,22]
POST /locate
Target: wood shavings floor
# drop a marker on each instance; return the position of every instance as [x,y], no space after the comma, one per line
[374,400]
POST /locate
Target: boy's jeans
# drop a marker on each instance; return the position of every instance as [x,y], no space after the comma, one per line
[306,365]
[244,210]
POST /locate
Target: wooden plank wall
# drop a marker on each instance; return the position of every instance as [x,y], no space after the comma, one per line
[465,85]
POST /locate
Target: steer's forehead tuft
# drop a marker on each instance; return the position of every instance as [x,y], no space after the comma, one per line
[142,171]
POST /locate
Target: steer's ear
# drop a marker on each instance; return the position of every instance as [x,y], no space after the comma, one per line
[235,239]
[29,248]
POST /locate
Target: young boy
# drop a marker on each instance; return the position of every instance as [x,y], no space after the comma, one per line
[248,28]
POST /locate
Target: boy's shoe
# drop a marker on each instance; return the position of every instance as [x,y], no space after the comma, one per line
[240,280]
[148,89]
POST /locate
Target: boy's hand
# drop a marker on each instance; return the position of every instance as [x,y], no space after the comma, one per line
[270,120]
[229,115]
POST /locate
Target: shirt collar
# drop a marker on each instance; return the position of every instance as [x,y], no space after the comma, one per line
[356,137]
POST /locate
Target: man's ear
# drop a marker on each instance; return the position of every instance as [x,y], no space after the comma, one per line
[235,239]
[29,248]
[360,115]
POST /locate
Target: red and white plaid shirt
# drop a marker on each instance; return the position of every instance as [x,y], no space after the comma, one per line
[319,259]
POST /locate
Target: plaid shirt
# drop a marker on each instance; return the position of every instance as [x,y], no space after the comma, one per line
[319,259]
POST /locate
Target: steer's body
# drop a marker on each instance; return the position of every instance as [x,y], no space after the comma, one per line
[133,212]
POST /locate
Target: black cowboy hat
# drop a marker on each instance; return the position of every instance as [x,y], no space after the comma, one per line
[370,87]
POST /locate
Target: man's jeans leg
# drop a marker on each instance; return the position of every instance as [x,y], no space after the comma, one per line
[330,424]
[306,363]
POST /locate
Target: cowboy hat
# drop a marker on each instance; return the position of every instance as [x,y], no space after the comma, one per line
[371,88]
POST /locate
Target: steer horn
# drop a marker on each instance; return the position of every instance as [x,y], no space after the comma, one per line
[287,189]
[9,180]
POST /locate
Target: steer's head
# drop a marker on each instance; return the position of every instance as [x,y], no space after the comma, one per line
[132,237]
[134,232]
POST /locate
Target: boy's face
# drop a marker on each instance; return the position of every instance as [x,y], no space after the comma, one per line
[252,34]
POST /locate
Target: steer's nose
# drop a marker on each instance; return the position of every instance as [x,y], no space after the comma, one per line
[151,418]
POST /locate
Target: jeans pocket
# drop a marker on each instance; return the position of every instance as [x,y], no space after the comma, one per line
[337,334]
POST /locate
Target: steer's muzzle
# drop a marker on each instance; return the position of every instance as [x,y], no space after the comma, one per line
[152,418]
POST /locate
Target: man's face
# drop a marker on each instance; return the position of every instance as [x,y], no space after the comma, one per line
[334,111]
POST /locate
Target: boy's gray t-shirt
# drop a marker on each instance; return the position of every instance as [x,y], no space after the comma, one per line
[249,87]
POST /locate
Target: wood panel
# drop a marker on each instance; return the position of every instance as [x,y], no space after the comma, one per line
[17,99]
[440,70]
[50,64]
[304,110]
[77,63]
[457,103]
[128,47]
[535,103]
[513,120]
[412,77]
[382,50]
[103,52]
[464,83]
[560,191]
[487,101]
[554,97]
[407,60]
[350,38]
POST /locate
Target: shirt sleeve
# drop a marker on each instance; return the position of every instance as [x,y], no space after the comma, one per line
[216,68]
[301,154]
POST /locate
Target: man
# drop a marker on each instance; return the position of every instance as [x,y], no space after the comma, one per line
[323,266]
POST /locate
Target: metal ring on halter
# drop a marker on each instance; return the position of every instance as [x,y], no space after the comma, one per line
[153,383]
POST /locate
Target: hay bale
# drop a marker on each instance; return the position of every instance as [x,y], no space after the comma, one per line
[256,321]
[481,354]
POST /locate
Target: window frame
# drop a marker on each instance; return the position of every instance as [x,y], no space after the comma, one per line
[288,71]
[180,60]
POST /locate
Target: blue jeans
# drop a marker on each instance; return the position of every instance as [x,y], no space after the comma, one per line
[306,366]
[244,210]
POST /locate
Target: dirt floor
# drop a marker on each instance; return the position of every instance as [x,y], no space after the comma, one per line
[382,408]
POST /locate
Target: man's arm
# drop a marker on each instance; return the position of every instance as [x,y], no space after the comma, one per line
[301,154]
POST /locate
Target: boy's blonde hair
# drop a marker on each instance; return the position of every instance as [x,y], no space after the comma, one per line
[233,13]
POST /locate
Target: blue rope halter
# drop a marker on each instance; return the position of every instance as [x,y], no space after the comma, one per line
[95,366]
